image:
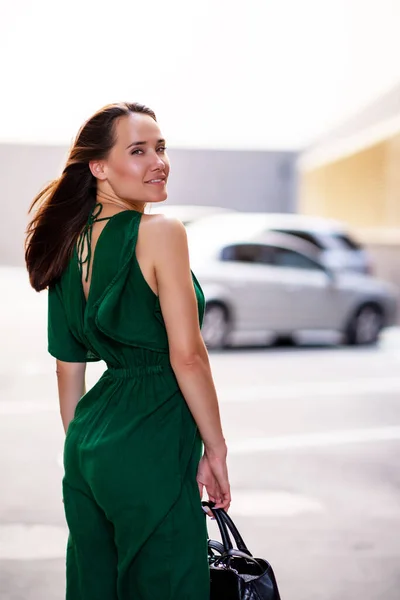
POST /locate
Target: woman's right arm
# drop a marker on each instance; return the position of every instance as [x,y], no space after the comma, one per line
[188,354]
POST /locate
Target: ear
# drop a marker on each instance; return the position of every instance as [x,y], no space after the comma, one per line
[97,169]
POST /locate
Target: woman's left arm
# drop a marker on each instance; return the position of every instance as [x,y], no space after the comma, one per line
[71,388]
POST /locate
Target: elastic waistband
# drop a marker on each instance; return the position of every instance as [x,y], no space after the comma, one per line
[134,371]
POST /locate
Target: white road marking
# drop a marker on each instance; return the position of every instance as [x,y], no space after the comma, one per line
[307,389]
[32,542]
[314,440]
[265,503]
[27,408]
[254,393]
[308,440]
[41,542]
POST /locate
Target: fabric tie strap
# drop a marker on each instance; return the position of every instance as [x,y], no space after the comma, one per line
[85,239]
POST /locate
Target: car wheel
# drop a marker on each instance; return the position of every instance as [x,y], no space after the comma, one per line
[215,326]
[285,340]
[365,326]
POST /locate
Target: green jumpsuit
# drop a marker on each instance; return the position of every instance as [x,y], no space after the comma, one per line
[136,528]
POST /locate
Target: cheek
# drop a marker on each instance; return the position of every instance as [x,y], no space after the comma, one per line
[127,170]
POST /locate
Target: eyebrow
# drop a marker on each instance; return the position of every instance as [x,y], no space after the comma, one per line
[144,143]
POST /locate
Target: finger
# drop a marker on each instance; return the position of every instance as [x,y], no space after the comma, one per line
[223,505]
[225,501]
[207,509]
[227,505]
[212,489]
[219,494]
[216,499]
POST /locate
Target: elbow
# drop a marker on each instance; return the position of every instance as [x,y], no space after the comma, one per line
[189,360]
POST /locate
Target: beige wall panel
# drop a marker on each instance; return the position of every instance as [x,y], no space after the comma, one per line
[393,182]
[353,190]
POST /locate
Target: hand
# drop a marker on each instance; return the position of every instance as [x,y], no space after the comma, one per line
[212,474]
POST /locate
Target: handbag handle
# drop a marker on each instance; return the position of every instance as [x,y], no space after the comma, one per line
[223,530]
[213,547]
[235,533]
[226,527]
[217,546]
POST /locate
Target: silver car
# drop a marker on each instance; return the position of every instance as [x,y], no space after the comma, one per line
[336,245]
[274,284]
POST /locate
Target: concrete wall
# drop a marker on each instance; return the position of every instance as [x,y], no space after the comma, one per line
[245,180]
[23,172]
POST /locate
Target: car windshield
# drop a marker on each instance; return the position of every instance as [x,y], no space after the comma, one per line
[303,235]
[346,242]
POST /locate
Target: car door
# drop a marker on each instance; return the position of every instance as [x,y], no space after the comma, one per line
[248,272]
[307,291]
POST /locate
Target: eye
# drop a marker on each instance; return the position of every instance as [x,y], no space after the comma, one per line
[137,152]
[162,149]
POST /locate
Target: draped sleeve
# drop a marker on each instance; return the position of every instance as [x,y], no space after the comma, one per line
[62,344]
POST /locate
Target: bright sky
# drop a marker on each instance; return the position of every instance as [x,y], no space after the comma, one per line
[218,73]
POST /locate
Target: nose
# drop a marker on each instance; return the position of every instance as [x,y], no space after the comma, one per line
[159,164]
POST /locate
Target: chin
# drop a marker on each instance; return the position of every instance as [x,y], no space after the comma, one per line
[160,198]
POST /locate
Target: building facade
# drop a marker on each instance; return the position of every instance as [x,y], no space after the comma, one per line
[353,174]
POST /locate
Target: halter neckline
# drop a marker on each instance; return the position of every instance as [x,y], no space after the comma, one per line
[85,238]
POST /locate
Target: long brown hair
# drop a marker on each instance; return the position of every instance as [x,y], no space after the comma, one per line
[65,204]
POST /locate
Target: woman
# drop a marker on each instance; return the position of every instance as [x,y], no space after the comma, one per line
[121,290]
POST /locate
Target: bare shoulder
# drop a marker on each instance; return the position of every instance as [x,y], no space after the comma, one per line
[164,232]
[162,224]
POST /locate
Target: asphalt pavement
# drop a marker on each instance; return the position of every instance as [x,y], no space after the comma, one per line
[314,440]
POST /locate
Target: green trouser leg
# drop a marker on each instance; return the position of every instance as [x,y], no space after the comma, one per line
[170,565]
[91,550]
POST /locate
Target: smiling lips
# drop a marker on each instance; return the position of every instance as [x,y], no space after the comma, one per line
[160,181]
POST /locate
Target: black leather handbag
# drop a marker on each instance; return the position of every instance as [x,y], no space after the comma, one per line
[234,573]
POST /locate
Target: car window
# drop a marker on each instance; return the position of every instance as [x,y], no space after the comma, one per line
[250,253]
[303,235]
[347,242]
[283,257]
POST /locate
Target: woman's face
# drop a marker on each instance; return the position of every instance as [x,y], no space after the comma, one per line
[137,167]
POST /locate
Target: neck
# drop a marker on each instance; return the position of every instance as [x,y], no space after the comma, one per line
[114,201]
